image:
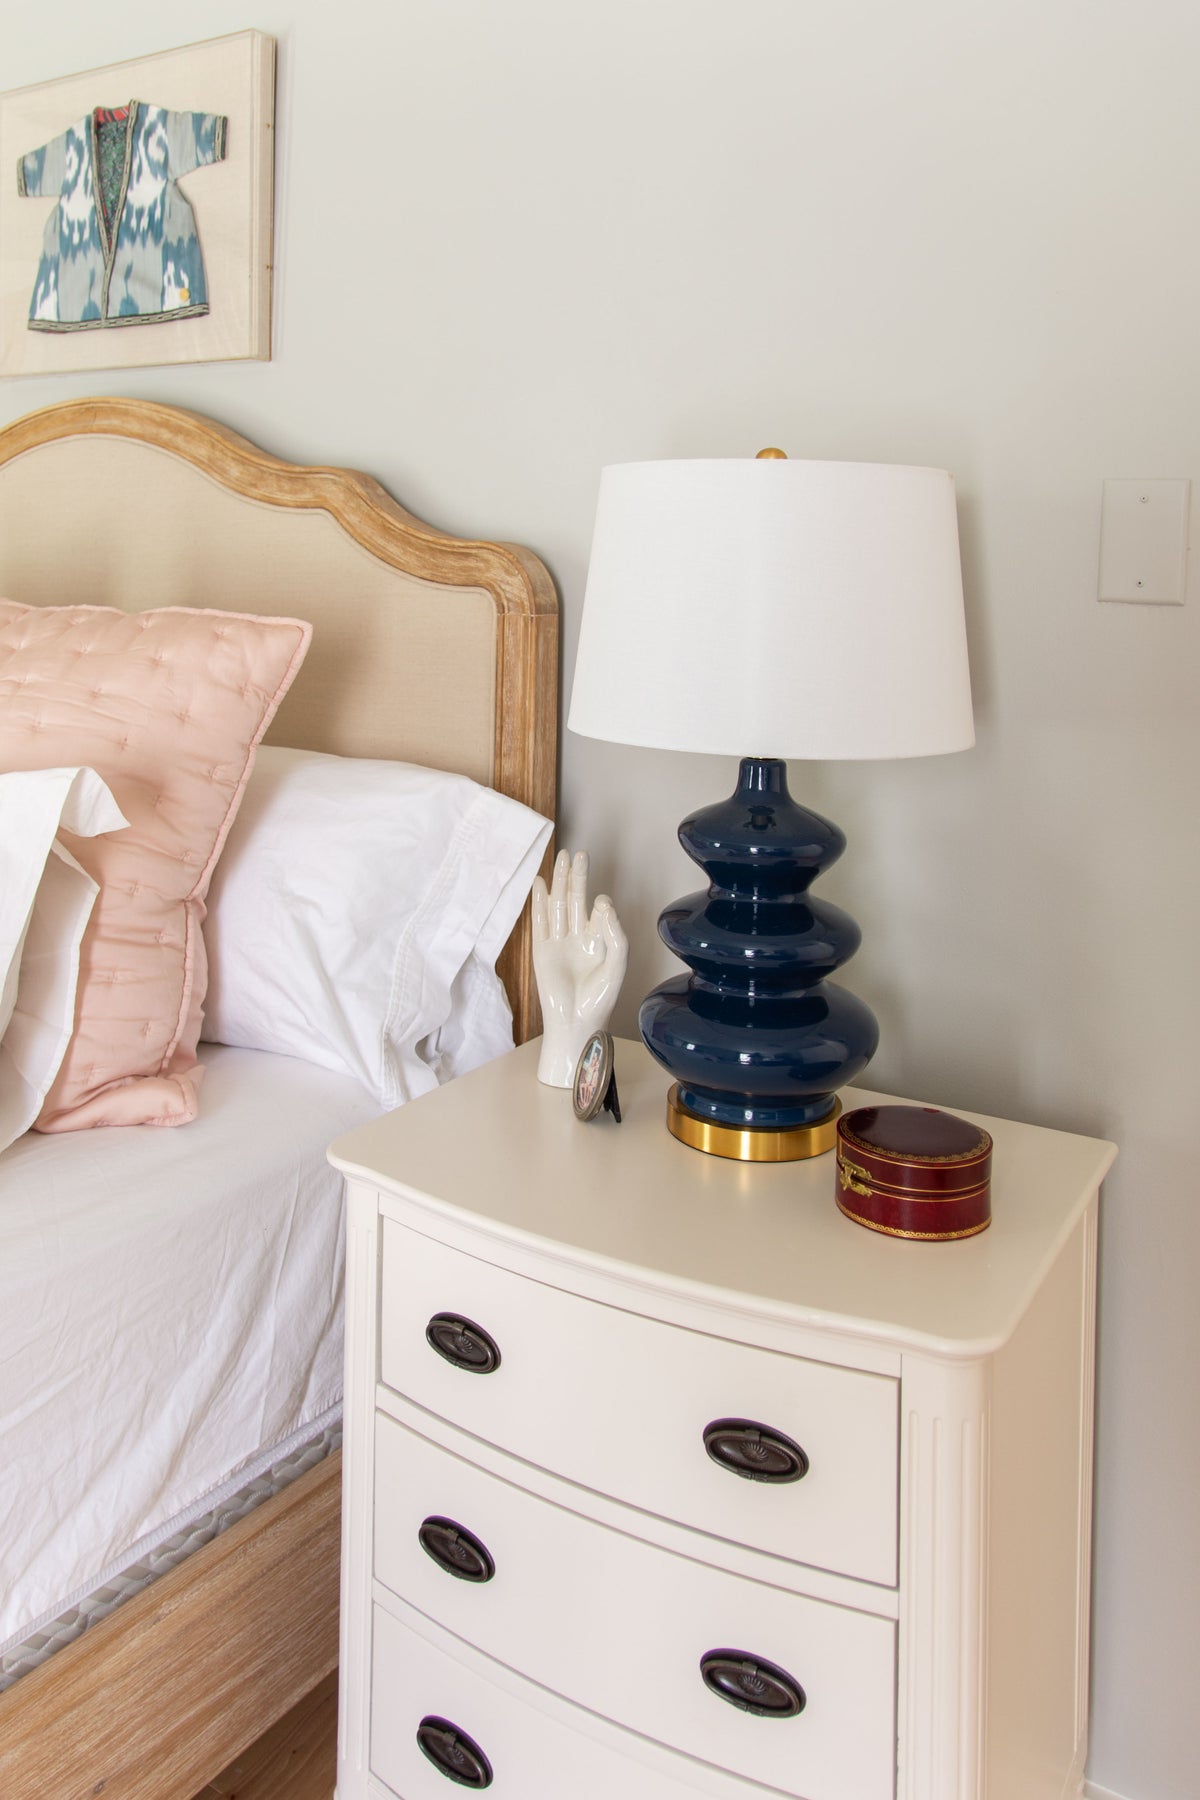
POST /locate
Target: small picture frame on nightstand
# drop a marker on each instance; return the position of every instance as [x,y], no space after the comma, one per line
[595,1087]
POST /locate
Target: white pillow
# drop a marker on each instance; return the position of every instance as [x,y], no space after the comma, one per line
[356,915]
[46,900]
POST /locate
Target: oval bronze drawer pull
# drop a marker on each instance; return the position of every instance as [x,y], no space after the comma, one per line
[752,1684]
[756,1452]
[463,1343]
[453,1753]
[455,1549]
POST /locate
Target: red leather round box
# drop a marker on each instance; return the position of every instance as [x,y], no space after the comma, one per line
[914,1172]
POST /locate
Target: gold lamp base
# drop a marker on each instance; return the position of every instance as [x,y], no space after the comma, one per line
[744,1144]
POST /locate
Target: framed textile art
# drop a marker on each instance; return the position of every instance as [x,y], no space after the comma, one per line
[136,212]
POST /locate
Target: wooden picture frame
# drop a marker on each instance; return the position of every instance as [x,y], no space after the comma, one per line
[229,193]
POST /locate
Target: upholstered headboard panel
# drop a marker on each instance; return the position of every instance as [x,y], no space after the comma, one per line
[426,648]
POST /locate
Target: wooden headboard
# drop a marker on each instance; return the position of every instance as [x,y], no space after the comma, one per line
[426,648]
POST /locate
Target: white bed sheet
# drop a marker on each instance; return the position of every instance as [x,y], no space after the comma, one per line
[170,1310]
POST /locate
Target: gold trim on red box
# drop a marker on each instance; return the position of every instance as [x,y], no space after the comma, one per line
[889,1191]
[964,1158]
[931,1236]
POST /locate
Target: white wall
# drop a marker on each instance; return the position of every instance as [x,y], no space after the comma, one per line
[518,239]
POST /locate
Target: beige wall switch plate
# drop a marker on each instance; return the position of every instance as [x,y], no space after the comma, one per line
[1143,541]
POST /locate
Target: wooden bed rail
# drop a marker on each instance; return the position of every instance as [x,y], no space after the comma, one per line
[220,1647]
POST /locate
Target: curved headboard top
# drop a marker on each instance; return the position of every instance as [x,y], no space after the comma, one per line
[426,648]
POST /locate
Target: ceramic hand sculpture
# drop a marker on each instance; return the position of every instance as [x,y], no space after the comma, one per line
[578,962]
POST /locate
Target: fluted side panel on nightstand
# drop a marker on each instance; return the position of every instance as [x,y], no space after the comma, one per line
[944,1486]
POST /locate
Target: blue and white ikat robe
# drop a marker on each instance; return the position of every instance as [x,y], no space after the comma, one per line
[120,248]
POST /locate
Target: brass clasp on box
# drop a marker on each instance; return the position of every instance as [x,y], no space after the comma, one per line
[846,1173]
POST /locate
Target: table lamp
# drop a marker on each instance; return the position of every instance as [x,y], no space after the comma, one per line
[785,609]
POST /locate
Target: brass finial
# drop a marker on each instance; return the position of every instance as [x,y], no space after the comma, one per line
[770,453]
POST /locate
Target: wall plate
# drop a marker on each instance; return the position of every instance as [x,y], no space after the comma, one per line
[1143,541]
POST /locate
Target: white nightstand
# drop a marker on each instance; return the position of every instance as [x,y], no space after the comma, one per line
[917,1587]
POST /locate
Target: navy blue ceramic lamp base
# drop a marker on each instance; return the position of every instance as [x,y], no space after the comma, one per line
[758,1039]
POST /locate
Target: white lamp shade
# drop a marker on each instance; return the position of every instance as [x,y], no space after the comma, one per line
[778,608]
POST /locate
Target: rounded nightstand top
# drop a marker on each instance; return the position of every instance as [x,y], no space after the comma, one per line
[507,1156]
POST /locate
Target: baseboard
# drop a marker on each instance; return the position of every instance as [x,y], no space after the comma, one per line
[1092,1792]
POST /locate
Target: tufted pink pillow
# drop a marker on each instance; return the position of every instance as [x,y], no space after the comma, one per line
[168,707]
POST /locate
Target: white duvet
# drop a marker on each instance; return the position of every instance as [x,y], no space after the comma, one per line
[170,1309]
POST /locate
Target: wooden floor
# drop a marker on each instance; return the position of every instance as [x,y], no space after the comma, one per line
[296,1760]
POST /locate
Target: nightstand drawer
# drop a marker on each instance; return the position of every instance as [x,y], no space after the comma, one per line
[625,1628]
[536,1748]
[622,1403]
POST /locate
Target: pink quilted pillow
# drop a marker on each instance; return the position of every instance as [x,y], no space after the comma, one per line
[168,707]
